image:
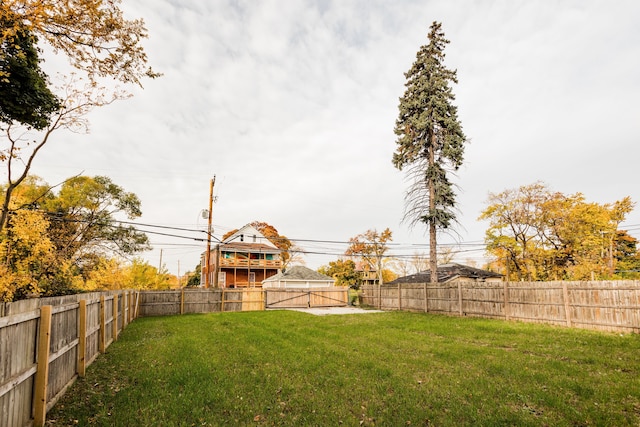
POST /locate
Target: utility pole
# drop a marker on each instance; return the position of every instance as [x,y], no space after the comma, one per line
[207,256]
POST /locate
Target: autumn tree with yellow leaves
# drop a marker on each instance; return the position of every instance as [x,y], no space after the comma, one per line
[58,241]
[29,261]
[371,247]
[98,42]
[101,45]
[93,34]
[537,234]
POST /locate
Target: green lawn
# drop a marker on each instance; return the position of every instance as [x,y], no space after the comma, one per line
[384,369]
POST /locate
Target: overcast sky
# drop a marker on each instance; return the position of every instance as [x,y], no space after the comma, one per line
[291,105]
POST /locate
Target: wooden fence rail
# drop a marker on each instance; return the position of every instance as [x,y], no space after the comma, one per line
[45,344]
[608,306]
[163,303]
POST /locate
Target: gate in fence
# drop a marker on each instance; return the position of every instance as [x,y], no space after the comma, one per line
[306,298]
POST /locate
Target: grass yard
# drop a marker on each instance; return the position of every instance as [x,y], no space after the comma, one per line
[387,369]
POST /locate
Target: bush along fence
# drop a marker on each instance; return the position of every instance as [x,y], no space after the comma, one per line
[607,306]
[46,343]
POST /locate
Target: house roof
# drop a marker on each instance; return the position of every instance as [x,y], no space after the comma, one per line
[447,272]
[248,239]
[363,266]
[299,272]
[248,235]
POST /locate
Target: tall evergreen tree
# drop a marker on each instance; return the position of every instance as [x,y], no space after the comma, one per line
[430,140]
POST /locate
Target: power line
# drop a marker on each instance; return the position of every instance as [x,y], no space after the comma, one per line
[320,250]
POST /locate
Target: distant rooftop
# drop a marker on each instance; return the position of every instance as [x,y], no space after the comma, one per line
[299,272]
[447,272]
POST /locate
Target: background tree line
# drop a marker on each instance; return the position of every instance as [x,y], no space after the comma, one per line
[538,234]
[53,243]
[59,241]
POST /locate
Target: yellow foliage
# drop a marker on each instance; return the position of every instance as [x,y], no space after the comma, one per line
[93,34]
[536,234]
[25,251]
[370,247]
[110,274]
[29,230]
[12,283]
[388,275]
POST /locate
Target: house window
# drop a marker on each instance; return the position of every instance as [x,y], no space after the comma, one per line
[222,279]
[252,279]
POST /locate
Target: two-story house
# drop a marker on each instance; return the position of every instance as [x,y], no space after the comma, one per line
[368,274]
[242,260]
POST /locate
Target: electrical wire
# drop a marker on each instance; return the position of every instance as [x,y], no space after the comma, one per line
[307,246]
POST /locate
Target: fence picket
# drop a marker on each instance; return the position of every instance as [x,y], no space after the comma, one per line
[609,306]
[80,323]
[42,374]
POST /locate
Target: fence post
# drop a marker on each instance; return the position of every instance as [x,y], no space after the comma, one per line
[137,305]
[399,297]
[506,301]
[460,297]
[426,298]
[379,296]
[567,309]
[42,374]
[82,338]
[133,306]
[125,309]
[182,301]
[102,340]
[114,324]
[133,310]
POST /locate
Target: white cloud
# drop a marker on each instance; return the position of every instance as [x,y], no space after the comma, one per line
[292,106]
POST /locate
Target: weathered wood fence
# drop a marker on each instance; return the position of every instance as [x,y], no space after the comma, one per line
[307,297]
[163,303]
[608,306]
[46,343]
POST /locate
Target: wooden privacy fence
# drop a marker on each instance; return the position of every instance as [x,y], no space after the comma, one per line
[181,301]
[300,298]
[609,306]
[46,343]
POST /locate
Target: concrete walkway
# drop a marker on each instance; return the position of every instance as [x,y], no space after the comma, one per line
[323,311]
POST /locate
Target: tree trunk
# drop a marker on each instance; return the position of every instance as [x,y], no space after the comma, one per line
[433,246]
